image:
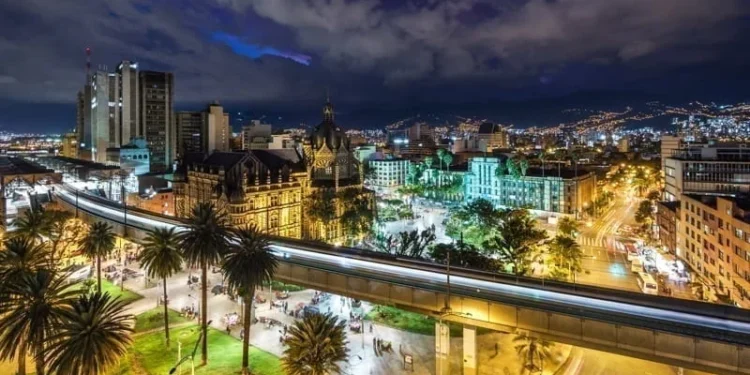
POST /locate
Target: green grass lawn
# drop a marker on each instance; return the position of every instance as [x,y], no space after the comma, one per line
[409,321]
[150,355]
[154,318]
[114,290]
[279,286]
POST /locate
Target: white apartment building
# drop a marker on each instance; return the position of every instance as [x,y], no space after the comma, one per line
[389,172]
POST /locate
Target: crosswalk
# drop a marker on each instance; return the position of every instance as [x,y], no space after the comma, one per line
[592,241]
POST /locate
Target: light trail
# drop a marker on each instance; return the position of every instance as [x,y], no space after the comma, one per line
[408,275]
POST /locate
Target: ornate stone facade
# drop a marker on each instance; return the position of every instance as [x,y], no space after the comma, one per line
[292,193]
[261,187]
[332,170]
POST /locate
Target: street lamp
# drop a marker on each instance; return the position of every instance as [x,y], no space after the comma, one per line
[191,356]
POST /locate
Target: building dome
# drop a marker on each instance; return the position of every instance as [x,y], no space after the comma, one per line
[328,133]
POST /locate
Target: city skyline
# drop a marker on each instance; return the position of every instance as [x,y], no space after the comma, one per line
[263,56]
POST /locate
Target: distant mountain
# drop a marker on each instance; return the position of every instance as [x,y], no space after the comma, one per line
[647,110]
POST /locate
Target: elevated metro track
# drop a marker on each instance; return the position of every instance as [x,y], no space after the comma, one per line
[708,337]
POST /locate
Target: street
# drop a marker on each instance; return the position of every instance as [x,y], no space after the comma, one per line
[602,264]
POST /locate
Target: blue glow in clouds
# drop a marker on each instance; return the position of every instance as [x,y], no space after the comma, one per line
[253,51]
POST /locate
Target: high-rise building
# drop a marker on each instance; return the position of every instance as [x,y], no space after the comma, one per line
[108,111]
[104,114]
[218,129]
[256,136]
[127,103]
[190,132]
[493,135]
[156,119]
[714,240]
[204,131]
[711,169]
[623,145]
[69,145]
[83,121]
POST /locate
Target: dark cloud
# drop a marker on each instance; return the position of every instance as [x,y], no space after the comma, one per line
[368,51]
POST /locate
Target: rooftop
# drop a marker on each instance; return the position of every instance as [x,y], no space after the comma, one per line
[18,166]
[84,163]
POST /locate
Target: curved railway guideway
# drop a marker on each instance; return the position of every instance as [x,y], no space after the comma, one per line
[689,334]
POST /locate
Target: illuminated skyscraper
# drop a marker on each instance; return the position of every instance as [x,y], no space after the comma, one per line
[156,90]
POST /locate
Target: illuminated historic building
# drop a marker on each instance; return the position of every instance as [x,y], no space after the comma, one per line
[261,187]
[333,170]
[269,188]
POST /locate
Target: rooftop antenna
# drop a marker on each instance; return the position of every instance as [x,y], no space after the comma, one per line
[88,63]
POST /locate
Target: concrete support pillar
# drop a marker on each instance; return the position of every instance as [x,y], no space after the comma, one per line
[3,208]
[470,350]
[442,349]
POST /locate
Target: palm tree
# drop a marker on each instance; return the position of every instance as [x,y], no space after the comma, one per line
[523,166]
[428,160]
[58,230]
[567,226]
[163,258]
[533,351]
[98,243]
[567,254]
[94,333]
[316,345]
[203,242]
[501,169]
[20,257]
[33,312]
[248,264]
[516,240]
[440,157]
[447,159]
[543,159]
[33,224]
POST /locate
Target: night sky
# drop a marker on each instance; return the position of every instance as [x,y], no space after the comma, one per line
[285,53]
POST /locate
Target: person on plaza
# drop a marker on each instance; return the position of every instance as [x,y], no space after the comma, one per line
[229,330]
[370,327]
[242,334]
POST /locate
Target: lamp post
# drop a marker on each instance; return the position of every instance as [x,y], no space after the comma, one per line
[190,357]
[76,202]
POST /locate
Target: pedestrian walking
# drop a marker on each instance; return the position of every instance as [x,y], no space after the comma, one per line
[242,334]
[229,330]
[370,327]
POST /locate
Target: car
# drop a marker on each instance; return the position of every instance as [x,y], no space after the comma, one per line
[131,273]
[110,268]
